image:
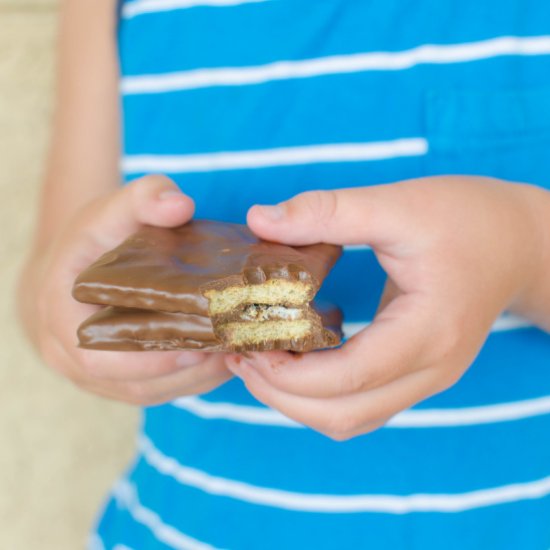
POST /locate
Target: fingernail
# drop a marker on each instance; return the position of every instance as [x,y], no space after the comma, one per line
[272,213]
[168,194]
[189,358]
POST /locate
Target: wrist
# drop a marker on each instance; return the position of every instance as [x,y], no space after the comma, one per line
[533,299]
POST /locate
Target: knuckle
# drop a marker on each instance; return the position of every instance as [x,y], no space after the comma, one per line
[135,185]
[339,437]
[139,393]
[445,343]
[149,179]
[356,376]
[144,187]
[358,429]
[88,366]
[321,205]
[452,340]
[343,424]
[50,353]
[353,381]
[451,377]
[375,425]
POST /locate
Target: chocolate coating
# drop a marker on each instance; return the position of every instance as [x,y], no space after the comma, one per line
[331,317]
[123,329]
[120,329]
[169,269]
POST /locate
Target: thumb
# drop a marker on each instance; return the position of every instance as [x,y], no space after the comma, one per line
[151,200]
[346,216]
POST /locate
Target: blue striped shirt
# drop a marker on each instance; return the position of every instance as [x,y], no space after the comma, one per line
[247,101]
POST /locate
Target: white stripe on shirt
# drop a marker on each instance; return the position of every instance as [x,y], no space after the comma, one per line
[284,156]
[510,322]
[428,54]
[412,418]
[323,503]
[504,323]
[356,247]
[140,7]
[125,494]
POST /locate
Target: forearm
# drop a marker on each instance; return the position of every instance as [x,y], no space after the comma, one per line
[84,147]
[84,150]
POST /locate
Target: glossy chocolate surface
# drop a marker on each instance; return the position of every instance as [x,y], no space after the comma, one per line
[144,330]
[123,329]
[168,269]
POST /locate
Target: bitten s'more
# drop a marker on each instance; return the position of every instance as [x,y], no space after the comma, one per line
[211,286]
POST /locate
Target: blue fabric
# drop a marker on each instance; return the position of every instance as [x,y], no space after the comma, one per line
[487,116]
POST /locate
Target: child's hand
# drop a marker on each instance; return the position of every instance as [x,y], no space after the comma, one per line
[52,316]
[457,250]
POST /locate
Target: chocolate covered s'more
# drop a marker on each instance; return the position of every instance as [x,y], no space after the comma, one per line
[209,286]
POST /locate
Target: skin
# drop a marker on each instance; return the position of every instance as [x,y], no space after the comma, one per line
[456,249]
[84,212]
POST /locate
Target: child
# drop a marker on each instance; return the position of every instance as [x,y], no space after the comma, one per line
[248,102]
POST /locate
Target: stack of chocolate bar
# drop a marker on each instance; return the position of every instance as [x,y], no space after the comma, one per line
[207,286]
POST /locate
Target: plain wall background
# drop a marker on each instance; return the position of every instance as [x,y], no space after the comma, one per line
[60,449]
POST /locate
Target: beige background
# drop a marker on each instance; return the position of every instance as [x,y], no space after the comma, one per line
[59,448]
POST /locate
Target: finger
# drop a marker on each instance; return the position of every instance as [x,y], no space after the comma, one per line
[192,380]
[393,346]
[135,366]
[344,417]
[391,291]
[373,215]
[195,380]
[114,365]
[151,200]
[122,365]
[148,395]
[111,365]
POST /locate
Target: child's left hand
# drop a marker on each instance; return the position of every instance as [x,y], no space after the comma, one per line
[457,250]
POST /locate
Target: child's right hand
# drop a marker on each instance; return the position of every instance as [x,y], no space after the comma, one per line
[51,315]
